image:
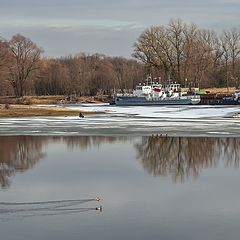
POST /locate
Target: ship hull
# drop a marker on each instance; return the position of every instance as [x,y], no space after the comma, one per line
[225,102]
[141,101]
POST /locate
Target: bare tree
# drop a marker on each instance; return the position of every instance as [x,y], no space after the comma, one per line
[226,56]
[4,63]
[231,46]
[181,50]
[52,78]
[25,56]
[4,53]
[177,39]
[154,50]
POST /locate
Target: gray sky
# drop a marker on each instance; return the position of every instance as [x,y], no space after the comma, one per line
[63,27]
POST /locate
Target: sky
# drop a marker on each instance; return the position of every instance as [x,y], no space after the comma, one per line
[110,27]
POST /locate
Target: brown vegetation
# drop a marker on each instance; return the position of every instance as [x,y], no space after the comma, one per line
[179,51]
[230,90]
[188,54]
[59,99]
[31,111]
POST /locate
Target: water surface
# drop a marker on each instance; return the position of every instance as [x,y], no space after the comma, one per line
[150,187]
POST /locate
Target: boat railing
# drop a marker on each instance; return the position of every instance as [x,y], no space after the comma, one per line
[123,95]
[191,96]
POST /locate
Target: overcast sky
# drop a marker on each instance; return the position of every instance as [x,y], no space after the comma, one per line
[63,27]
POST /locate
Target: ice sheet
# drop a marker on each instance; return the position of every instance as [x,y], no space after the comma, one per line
[114,120]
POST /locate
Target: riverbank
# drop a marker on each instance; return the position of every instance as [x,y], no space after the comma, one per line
[57,99]
[9,110]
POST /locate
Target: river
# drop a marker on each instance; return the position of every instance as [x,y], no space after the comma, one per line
[166,183]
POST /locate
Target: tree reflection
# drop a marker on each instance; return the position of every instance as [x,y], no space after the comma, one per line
[182,157]
[18,153]
[177,157]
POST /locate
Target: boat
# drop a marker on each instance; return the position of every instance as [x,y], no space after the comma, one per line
[155,93]
[232,100]
[221,99]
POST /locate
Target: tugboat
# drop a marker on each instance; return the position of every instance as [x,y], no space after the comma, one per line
[156,94]
[221,99]
[233,100]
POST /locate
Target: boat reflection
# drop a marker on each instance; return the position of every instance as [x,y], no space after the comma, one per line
[184,157]
[88,142]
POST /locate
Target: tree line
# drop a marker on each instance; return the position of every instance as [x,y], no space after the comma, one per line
[179,52]
[23,71]
[184,52]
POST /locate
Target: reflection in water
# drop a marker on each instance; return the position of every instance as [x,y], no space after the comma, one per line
[179,157]
[87,142]
[20,153]
[182,157]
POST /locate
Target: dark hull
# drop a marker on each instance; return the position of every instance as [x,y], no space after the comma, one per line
[221,102]
[141,101]
[220,99]
[226,103]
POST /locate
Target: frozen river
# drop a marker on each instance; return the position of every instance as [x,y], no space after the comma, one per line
[137,121]
[183,186]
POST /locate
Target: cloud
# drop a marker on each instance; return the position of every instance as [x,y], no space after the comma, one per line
[68,23]
[120,22]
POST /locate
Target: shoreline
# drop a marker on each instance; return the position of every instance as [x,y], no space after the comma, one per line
[13,110]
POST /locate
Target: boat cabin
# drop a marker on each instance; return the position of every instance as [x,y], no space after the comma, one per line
[174,87]
[237,95]
[142,90]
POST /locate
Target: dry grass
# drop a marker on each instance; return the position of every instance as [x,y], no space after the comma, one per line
[22,107]
[31,111]
[229,90]
[28,100]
